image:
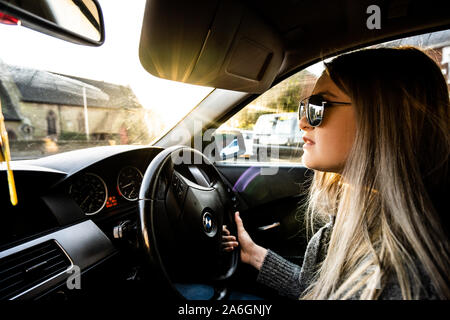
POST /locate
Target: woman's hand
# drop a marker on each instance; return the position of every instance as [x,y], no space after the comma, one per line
[229,241]
[251,253]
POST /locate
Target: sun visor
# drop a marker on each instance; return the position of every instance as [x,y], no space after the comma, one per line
[218,44]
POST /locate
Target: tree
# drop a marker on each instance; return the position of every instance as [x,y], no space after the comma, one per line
[284,97]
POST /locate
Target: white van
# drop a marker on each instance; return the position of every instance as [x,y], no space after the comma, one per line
[277,133]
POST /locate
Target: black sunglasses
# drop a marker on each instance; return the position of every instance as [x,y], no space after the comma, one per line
[313,107]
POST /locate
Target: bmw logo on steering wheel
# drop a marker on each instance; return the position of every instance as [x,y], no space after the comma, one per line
[209,225]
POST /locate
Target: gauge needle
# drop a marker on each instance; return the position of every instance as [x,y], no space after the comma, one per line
[127,185]
[84,201]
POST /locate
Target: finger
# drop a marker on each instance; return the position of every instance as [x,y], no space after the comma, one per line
[228,249]
[238,220]
[230,244]
[225,230]
[228,238]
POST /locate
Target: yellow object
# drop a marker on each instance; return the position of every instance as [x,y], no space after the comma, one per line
[5,155]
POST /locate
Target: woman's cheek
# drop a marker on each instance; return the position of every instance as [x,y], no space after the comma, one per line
[308,159]
[327,154]
[314,157]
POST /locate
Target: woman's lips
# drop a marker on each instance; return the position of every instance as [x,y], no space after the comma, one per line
[308,142]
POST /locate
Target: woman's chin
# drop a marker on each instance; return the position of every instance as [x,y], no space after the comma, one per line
[307,161]
[314,165]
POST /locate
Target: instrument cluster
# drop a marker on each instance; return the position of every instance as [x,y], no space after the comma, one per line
[90,191]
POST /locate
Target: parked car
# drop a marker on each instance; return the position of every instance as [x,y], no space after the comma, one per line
[277,135]
[235,150]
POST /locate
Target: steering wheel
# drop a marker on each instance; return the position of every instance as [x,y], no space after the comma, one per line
[183,205]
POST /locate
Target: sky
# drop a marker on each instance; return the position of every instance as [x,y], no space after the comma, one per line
[116,61]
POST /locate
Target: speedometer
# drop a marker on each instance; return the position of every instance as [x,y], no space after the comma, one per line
[89,192]
[129,182]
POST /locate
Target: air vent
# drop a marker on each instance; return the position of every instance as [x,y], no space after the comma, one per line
[30,267]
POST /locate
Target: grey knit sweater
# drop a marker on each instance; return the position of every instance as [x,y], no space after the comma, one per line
[290,280]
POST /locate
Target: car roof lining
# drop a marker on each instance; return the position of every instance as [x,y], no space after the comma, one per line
[342,25]
[306,31]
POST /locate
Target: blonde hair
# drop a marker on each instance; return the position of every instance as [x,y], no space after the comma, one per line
[387,199]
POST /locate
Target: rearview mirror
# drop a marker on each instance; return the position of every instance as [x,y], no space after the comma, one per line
[78,21]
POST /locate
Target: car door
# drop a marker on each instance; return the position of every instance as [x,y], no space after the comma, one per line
[269,179]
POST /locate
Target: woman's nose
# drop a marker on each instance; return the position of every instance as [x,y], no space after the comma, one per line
[304,125]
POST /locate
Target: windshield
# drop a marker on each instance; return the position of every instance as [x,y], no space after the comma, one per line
[57,96]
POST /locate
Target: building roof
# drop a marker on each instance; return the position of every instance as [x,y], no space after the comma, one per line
[51,88]
[8,106]
[119,96]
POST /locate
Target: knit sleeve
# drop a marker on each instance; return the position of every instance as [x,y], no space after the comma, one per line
[281,275]
[290,279]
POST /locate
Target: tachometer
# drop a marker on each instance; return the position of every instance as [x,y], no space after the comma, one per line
[89,192]
[129,182]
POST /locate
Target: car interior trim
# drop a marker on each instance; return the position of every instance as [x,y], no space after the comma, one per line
[84,243]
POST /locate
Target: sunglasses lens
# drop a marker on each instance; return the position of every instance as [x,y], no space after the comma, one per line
[315,114]
[315,110]
[302,110]
[312,109]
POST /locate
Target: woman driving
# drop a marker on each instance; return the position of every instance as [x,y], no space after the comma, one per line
[376,132]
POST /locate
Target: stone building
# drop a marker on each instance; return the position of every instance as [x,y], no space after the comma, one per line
[39,106]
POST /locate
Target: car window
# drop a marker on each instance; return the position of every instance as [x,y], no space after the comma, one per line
[269,123]
[58,96]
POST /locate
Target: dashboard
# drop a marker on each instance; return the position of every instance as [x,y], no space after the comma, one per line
[77,211]
[73,203]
